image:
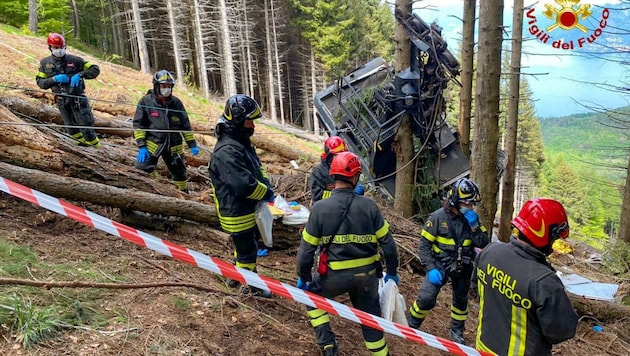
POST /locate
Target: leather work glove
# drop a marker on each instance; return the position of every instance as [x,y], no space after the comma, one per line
[359,189]
[303,285]
[263,252]
[435,277]
[61,78]
[473,219]
[75,80]
[194,151]
[143,155]
[388,277]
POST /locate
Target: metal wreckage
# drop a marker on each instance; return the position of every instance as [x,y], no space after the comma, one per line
[367,106]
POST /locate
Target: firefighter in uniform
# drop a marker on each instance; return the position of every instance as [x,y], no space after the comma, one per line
[347,228]
[523,306]
[446,249]
[239,181]
[160,111]
[64,75]
[321,181]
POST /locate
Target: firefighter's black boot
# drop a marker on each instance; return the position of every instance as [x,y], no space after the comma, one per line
[330,350]
[414,322]
[457,331]
[232,283]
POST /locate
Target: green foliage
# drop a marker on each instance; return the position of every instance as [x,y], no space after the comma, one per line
[14,12]
[28,324]
[16,260]
[616,258]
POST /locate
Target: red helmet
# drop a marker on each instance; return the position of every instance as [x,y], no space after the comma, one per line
[345,164]
[542,221]
[334,145]
[56,40]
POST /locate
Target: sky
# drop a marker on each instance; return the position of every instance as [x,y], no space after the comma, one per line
[560,78]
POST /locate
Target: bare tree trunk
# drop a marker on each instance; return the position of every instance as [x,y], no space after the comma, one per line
[75,17]
[143,53]
[313,91]
[624,222]
[486,137]
[32,16]
[248,54]
[277,58]
[403,143]
[507,189]
[177,53]
[270,76]
[201,53]
[465,94]
[116,33]
[229,78]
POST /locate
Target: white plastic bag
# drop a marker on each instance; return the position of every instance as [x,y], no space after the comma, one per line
[264,221]
[392,302]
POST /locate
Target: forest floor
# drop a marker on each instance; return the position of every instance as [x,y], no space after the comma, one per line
[205,317]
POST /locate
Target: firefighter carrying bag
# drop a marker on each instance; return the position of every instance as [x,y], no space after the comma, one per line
[322,260]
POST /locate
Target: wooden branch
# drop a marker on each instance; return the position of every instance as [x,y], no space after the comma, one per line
[601,310]
[76,284]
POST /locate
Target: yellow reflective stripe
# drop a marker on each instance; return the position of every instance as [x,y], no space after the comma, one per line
[42,75]
[87,65]
[152,146]
[264,172]
[78,136]
[177,149]
[383,230]
[467,242]
[417,312]
[318,317]
[377,347]
[94,142]
[436,249]
[310,239]
[347,264]
[483,228]
[518,331]
[237,223]
[189,136]
[259,192]
[481,291]
[326,194]
[427,235]
[181,184]
[139,134]
[458,314]
[445,240]
[248,266]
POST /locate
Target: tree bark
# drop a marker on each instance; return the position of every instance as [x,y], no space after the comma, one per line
[143,53]
[465,94]
[404,142]
[486,127]
[507,189]
[32,16]
[624,223]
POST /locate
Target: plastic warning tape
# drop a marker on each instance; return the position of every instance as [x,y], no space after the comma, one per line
[228,270]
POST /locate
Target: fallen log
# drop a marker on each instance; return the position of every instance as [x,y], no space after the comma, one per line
[106,195]
[124,128]
[601,310]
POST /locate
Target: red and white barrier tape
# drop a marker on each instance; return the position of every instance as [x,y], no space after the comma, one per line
[228,270]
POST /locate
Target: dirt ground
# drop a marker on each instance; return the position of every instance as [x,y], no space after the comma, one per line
[212,319]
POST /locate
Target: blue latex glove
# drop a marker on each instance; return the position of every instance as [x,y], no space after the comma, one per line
[61,78]
[75,80]
[143,155]
[388,277]
[270,194]
[195,151]
[473,218]
[303,285]
[359,189]
[263,252]
[435,277]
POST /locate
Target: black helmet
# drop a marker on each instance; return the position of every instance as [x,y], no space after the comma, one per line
[163,77]
[464,190]
[239,108]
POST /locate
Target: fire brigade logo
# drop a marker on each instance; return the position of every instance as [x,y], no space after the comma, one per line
[568,16]
[573,25]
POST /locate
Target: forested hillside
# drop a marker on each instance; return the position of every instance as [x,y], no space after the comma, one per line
[586,155]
